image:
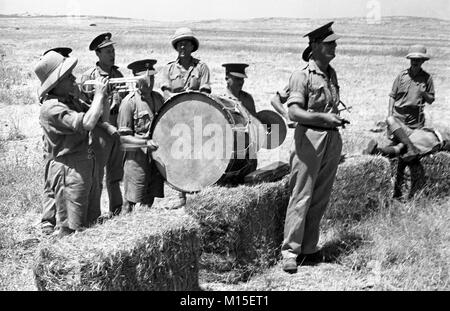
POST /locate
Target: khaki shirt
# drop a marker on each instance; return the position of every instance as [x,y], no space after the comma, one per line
[95,72]
[314,90]
[244,98]
[177,79]
[137,114]
[62,122]
[406,91]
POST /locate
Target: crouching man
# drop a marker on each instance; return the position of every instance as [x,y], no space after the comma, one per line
[72,173]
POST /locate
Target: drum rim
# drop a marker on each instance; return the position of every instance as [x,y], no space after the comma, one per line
[173,101]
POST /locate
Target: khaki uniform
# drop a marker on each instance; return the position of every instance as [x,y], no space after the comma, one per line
[177,79]
[408,107]
[314,160]
[71,173]
[107,147]
[142,181]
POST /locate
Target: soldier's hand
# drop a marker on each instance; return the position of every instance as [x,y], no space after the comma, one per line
[333,120]
[151,145]
[101,86]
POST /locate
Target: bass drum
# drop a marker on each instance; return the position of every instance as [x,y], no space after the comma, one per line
[199,135]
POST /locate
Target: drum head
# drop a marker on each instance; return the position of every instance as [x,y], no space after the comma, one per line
[195,141]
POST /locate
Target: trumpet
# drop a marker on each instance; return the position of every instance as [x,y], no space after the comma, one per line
[121,85]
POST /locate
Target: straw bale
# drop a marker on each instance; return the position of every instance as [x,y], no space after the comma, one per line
[363,184]
[241,228]
[145,250]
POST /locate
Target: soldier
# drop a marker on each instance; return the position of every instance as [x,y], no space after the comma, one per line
[313,103]
[234,77]
[184,74]
[411,90]
[48,219]
[71,173]
[142,181]
[107,147]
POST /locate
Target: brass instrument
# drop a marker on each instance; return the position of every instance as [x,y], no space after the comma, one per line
[120,85]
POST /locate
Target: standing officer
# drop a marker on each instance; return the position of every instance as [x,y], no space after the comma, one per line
[313,103]
[142,181]
[107,147]
[71,174]
[234,77]
[184,74]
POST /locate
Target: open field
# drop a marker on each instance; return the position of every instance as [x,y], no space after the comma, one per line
[403,248]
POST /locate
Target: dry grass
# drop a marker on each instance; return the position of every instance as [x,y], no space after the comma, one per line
[393,245]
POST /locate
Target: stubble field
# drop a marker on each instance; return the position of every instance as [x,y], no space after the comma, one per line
[369,56]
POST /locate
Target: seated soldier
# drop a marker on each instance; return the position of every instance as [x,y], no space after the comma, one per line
[423,140]
[137,112]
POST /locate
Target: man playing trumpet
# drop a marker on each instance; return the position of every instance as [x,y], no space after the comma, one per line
[106,146]
[71,176]
[142,181]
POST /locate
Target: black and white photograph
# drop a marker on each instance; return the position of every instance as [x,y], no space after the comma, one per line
[225,149]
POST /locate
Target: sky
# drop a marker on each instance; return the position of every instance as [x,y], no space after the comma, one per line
[178,10]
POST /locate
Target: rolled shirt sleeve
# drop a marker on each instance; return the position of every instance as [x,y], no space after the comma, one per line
[298,89]
[125,119]
[61,120]
[395,85]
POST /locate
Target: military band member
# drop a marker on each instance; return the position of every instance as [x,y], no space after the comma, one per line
[234,77]
[142,181]
[71,173]
[313,103]
[48,219]
[106,146]
[186,73]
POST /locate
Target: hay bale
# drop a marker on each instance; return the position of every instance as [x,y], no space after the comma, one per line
[145,250]
[363,184]
[241,228]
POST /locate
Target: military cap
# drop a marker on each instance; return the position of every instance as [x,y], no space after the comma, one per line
[236,69]
[64,51]
[322,34]
[101,41]
[142,66]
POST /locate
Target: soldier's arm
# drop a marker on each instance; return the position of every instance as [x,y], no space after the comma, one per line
[96,110]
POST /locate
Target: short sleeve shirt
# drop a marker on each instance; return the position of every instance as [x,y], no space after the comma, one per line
[406,91]
[62,123]
[314,90]
[177,79]
[137,114]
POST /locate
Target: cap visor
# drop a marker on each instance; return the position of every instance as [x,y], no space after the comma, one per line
[101,46]
[150,72]
[331,38]
[59,73]
[238,74]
